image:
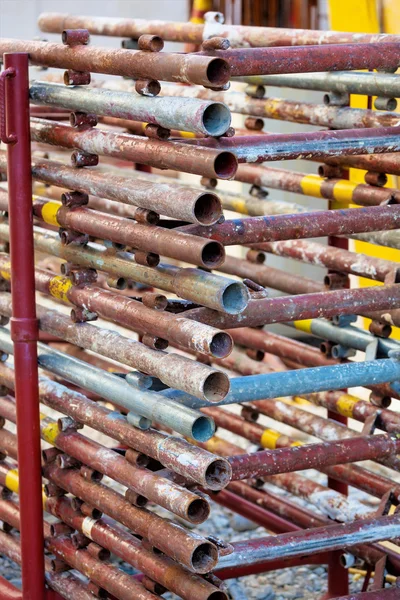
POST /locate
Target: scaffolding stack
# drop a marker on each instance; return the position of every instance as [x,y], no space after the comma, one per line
[125,313]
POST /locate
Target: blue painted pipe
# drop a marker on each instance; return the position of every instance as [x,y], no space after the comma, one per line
[301,381]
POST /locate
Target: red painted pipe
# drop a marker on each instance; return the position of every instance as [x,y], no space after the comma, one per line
[24,327]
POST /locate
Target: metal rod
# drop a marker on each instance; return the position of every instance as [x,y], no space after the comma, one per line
[24,329]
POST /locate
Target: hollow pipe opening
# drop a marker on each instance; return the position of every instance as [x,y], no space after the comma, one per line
[225,165]
[221,345]
[218,72]
[207,209]
[216,119]
[198,511]
[204,558]
[235,298]
[202,429]
[212,255]
[218,474]
[216,387]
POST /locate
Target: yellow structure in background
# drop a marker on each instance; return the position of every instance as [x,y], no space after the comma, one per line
[362,16]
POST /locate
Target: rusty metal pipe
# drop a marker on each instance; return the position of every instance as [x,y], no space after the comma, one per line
[220,293]
[164,155]
[172,369]
[309,456]
[255,230]
[343,82]
[187,114]
[131,314]
[321,144]
[177,454]
[172,200]
[191,68]
[149,238]
[238,35]
[156,566]
[141,402]
[319,539]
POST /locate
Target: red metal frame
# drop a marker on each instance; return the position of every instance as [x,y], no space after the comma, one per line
[24,327]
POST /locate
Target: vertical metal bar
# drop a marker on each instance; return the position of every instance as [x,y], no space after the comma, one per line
[24,327]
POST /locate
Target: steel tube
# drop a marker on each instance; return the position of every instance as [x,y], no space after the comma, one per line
[220,293]
[336,259]
[340,190]
[319,539]
[149,238]
[177,454]
[390,239]
[343,82]
[158,567]
[309,59]
[255,230]
[159,490]
[131,313]
[24,329]
[186,547]
[165,155]
[288,110]
[187,114]
[309,456]
[321,144]
[239,35]
[172,369]
[389,163]
[172,200]
[185,420]
[191,68]
[302,381]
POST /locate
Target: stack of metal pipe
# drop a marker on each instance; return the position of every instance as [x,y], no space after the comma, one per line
[152,334]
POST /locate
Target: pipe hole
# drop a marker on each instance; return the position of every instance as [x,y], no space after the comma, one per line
[235,298]
[225,165]
[218,72]
[198,511]
[218,474]
[204,558]
[202,429]
[212,255]
[216,119]
[221,345]
[207,209]
[216,387]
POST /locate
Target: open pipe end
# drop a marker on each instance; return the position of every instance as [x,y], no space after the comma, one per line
[198,511]
[207,209]
[216,119]
[203,429]
[225,165]
[218,474]
[217,595]
[216,387]
[212,255]
[218,72]
[235,298]
[204,558]
[221,345]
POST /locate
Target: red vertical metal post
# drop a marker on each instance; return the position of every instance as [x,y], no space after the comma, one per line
[24,326]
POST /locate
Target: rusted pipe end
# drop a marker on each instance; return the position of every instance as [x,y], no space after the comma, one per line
[217,595]
[212,255]
[204,558]
[198,511]
[207,209]
[225,165]
[235,298]
[150,43]
[221,345]
[216,119]
[203,428]
[218,72]
[218,474]
[216,386]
